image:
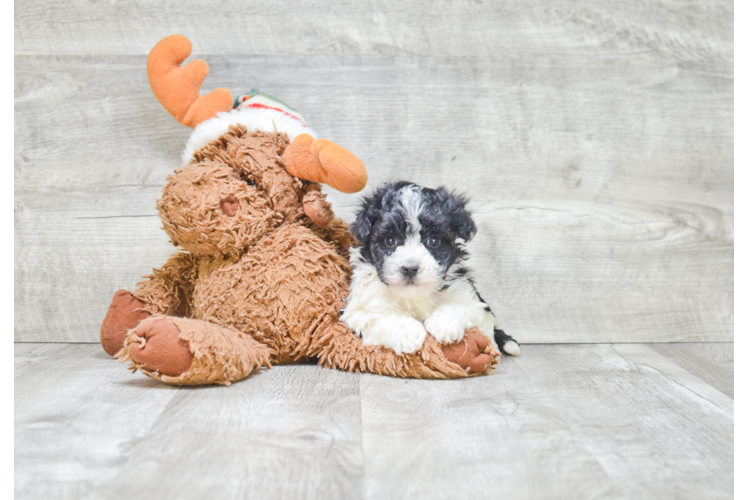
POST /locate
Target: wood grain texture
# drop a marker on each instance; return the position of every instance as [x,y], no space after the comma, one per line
[713,363]
[86,428]
[564,421]
[596,143]
[77,418]
[561,421]
[27,356]
[692,29]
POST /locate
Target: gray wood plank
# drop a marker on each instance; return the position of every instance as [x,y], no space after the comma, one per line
[713,363]
[695,28]
[563,421]
[31,356]
[291,432]
[77,415]
[73,251]
[86,428]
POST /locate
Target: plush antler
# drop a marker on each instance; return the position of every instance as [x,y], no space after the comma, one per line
[178,87]
[324,161]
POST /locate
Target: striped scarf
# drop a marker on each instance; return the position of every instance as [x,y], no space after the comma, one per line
[260,99]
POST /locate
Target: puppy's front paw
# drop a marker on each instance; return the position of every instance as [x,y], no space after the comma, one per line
[447,326]
[402,334]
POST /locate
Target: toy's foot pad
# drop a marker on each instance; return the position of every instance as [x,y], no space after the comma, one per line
[159,347]
[125,313]
[471,353]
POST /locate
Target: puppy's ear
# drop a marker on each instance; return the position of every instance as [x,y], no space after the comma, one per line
[362,226]
[460,219]
[367,216]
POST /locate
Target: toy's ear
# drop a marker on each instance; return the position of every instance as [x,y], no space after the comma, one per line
[460,219]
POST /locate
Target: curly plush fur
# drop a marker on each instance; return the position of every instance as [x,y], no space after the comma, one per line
[260,282]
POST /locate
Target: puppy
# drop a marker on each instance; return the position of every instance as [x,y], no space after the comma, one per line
[410,273]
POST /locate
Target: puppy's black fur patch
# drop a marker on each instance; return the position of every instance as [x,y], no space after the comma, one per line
[499,336]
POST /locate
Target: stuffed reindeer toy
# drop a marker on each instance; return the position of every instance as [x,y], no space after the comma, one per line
[262,267]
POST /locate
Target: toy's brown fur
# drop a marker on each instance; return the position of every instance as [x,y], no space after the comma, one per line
[262,286]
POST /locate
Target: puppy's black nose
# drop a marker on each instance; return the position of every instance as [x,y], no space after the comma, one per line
[410,271]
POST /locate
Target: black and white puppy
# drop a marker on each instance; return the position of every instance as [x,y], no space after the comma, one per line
[410,273]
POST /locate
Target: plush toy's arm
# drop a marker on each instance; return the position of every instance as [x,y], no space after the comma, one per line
[169,289]
[316,206]
[322,221]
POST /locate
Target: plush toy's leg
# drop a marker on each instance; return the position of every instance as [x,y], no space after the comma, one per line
[166,291]
[324,161]
[125,313]
[184,351]
[340,348]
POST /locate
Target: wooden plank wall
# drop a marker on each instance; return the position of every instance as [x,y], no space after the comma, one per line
[595,140]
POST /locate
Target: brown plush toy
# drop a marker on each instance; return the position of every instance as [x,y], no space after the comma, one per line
[263,268]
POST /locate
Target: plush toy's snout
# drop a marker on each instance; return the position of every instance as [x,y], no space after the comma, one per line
[229,206]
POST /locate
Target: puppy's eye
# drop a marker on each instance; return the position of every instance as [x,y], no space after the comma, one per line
[251,182]
[391,241]
[433,242]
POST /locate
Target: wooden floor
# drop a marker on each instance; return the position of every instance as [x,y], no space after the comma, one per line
[562,421]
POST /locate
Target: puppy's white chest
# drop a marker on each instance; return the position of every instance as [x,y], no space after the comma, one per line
[418,308]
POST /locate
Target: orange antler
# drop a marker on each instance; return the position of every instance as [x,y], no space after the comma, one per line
[326,162]
[177,87]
